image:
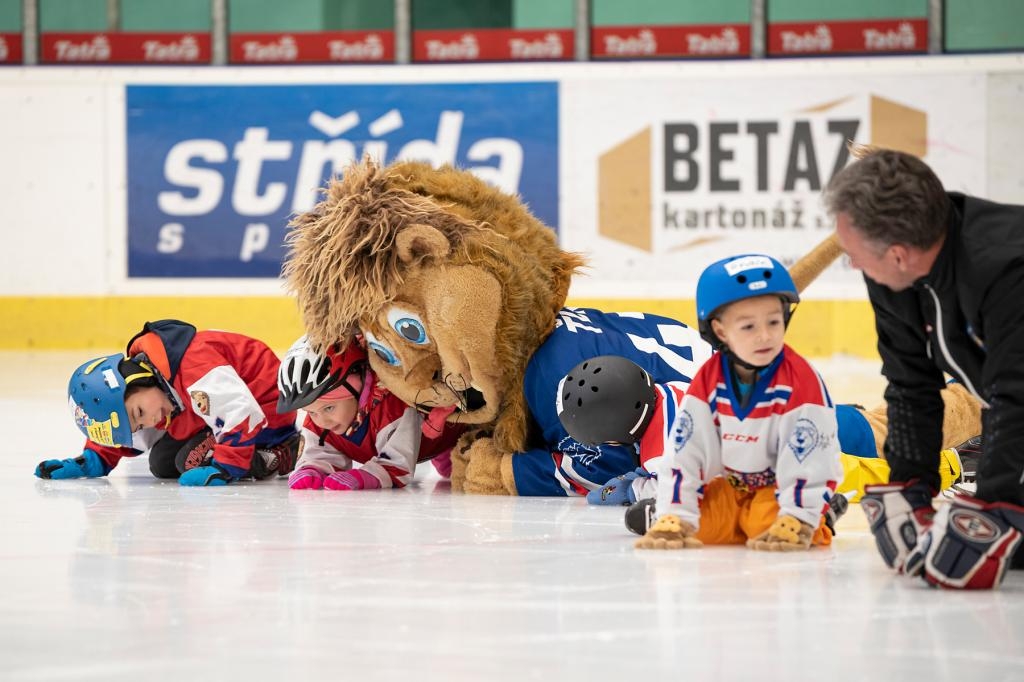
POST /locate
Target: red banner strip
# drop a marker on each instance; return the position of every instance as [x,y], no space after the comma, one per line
[318,47]
[848,37]
[493,44]
[125,48]
[10,48]
[703,40]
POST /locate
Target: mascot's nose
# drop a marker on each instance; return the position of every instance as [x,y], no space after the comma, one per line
[426,372]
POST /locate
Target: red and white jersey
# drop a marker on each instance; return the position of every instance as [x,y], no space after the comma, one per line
[221,380]
[785,436]
[658,438]
[387,443]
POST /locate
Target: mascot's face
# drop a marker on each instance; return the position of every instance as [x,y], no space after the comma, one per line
[434,346]
[453,283]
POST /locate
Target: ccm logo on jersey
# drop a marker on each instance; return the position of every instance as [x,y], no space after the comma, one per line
[740,437]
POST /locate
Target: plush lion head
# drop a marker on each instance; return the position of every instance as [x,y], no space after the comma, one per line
[453,283]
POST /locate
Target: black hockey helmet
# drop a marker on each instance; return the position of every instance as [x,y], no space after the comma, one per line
[605,399]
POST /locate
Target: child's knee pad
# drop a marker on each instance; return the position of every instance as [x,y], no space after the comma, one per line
[196,452]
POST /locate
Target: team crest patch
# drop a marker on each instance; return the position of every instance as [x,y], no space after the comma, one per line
[584,454]
[682,430]
[872,509]
[973,525]
[201,401]
[803,439]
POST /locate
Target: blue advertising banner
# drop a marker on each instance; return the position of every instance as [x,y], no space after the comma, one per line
[216,172]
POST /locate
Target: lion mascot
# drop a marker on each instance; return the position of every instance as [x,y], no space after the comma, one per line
[458,291]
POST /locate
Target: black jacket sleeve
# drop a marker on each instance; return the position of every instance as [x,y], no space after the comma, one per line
[913,393]
[1001,468]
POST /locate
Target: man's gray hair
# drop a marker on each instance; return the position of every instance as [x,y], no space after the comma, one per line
[890,197]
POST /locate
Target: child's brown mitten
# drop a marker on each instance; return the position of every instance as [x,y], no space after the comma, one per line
[787,534]
[669,532]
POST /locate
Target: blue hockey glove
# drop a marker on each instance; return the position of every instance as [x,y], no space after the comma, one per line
[619,491]
[88,465]
[969,545]
[898,513]
[210,475]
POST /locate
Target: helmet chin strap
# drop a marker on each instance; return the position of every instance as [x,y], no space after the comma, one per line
[141,360]
[735,359]
[176,406]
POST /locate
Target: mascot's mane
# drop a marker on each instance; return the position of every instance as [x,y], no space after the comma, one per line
[344,264]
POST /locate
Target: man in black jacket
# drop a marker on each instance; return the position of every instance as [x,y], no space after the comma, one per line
[945,276]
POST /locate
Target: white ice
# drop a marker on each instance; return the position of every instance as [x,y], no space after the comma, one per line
[130,578]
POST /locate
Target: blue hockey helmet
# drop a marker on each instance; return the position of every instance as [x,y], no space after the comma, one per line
[739,277]
[96,397]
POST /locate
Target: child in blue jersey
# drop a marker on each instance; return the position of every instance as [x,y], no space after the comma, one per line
[557,464]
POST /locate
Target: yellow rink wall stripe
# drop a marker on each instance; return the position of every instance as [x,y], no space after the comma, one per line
[105,323]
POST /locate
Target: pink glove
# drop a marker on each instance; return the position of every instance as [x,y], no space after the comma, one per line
[306,478]
[443,464]
[355,479]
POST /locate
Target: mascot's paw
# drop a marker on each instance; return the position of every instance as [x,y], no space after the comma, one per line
[460,459]
[787,534]
[669,532]
[488,471]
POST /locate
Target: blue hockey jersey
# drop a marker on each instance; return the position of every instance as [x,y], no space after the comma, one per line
[667,349]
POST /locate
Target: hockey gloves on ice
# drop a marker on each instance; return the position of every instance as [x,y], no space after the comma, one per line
[898,513]
[969,544]
[313,479]
[88,465]
[355,479]
[669,532]
[210,475]
[618,491]
[786,534]
[306,478]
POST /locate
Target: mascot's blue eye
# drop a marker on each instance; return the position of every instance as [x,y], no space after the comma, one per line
[384,353]
[411,330]
[409,326]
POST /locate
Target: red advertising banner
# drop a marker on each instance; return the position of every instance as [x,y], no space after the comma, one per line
[848,37]
[313,47]
[125,48]
[698,40]
[492,44]
[10,48]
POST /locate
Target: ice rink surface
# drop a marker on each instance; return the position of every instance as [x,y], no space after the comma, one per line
[130,578]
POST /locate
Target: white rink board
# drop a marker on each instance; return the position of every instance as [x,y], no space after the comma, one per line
[64,155]
[737,164]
